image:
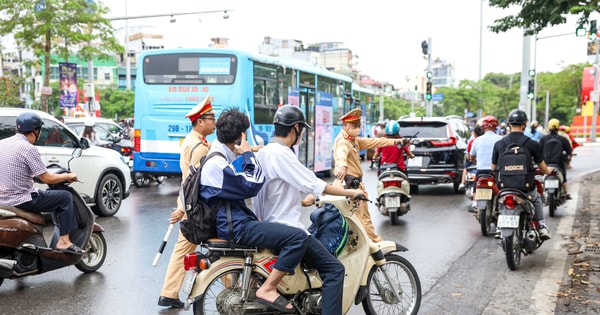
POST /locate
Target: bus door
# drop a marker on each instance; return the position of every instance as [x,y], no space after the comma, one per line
[306,149]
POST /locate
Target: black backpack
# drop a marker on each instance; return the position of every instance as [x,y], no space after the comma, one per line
[330,227]
[200,224]
[553,150]
[515,169]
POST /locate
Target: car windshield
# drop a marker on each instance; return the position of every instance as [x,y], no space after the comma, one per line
[428,129]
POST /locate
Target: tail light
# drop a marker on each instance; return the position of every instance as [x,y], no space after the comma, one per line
[125,150]
[451,174]
[195,261]
[136,140]
[446,143]
[488,183]
[392,183]
[510,202]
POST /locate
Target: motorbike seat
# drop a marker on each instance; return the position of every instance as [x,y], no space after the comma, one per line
[32,217]
[507,191]
[225,244]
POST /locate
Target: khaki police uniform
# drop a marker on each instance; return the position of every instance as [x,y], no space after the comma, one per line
[193,148]
[346,153]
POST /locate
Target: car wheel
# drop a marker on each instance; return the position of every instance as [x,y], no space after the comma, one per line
[109,196]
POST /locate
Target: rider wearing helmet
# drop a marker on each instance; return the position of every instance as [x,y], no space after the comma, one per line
[481,151]
[23,162]
[393,154]
[517,121]
[557,150]
[279,200]
[533,132]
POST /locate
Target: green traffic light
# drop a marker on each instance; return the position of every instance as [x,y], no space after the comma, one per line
[530,96]
[428,97]
[580,31]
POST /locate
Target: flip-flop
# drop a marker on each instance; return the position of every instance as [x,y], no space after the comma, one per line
[73,249]
[279,304]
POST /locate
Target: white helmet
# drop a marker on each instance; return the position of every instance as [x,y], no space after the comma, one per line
[89,123]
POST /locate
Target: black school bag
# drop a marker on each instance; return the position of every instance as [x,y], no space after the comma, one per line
[200,224]
[330,227]
[553,150]
[515,169]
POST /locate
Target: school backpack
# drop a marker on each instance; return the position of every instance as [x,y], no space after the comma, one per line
[553,150]
[515,169]
[200,224]
[330,227]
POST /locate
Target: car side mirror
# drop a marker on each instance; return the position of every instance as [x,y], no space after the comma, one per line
[84,143]
[115,138]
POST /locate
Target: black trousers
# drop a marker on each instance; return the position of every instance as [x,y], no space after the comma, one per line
[57,201]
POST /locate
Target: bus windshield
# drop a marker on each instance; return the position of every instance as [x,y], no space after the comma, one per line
[189,68]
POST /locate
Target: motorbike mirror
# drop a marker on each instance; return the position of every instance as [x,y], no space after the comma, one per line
[75,154]
[84,143]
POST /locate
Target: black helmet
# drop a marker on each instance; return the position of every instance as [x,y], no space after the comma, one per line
[289,115]
[28,121]
[517,117]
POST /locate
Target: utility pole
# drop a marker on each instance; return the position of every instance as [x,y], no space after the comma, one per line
[426,48]
[524,103]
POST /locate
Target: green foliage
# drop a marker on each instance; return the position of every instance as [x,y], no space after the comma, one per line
[9,92]
[116,103]
[535,15]
[61,27]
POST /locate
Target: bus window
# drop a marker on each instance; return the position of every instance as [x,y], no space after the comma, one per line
[266,95]
[189,68]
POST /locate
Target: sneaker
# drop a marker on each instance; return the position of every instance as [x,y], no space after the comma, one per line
[461,187]
[544,233]
[473,209]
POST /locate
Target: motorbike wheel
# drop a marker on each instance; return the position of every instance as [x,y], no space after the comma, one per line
[139,180]
[1,280]
[95,254]
[160,179]
[394,218]
[485,219]
[512,250]
[404,281]
[552,204]
[223,295]
[109,195]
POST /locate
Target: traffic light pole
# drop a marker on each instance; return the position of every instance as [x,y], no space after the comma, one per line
[429,50]
[595,113]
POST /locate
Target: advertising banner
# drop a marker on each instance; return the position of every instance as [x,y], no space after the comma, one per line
[68,84]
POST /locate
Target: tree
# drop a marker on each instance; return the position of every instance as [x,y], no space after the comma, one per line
[535,15]
[40,25]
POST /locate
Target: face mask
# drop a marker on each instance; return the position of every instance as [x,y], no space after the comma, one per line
[353,131]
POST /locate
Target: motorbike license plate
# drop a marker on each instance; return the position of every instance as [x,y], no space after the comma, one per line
[417,161]
[508,221]
[392,202]
[188,281]
[551,183]
[483,194]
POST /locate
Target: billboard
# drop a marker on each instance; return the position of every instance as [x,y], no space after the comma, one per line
[68,84]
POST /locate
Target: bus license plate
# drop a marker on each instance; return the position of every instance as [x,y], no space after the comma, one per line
[188,281]
[417,161]
[551,183]
[483,194]
[392,202]
[508,221]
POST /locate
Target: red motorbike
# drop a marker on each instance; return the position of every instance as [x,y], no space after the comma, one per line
[24,250]
[486,196]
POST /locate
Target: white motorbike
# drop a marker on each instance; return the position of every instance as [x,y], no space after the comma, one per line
[393,192]
[223,279]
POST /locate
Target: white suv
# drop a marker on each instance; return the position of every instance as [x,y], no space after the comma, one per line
[104,174]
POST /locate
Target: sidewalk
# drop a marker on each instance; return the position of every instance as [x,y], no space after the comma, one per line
[579,292]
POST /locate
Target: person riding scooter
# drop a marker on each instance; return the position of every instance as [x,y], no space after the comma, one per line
[557,150]
[23,162]
[394,154]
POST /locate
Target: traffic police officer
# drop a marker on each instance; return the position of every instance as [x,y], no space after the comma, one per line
[346,150]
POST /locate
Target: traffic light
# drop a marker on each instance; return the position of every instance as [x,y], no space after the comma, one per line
[424,47]
[593,30]
[428,95]
[531,89]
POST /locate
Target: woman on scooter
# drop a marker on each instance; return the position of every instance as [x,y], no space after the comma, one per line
[22,162]
[394,154]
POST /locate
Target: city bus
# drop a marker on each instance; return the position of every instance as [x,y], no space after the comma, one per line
[169,82]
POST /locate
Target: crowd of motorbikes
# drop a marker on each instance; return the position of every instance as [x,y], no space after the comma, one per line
[511,212]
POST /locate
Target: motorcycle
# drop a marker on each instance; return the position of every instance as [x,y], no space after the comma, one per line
[554,195]
[486,196]
[24,250]
[518,228]
[470,181]
[222,278]
[393,192]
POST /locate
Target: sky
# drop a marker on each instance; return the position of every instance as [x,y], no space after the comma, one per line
[385,35]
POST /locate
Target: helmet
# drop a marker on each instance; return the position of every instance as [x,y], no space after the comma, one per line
[489,122]
[567,129]
[562,127]
[89,123]
[517,117]
[28,121]
[289,115]
[392,128]
[554,124]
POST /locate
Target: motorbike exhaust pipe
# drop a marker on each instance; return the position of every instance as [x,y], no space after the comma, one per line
[7,264]
[531,236]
